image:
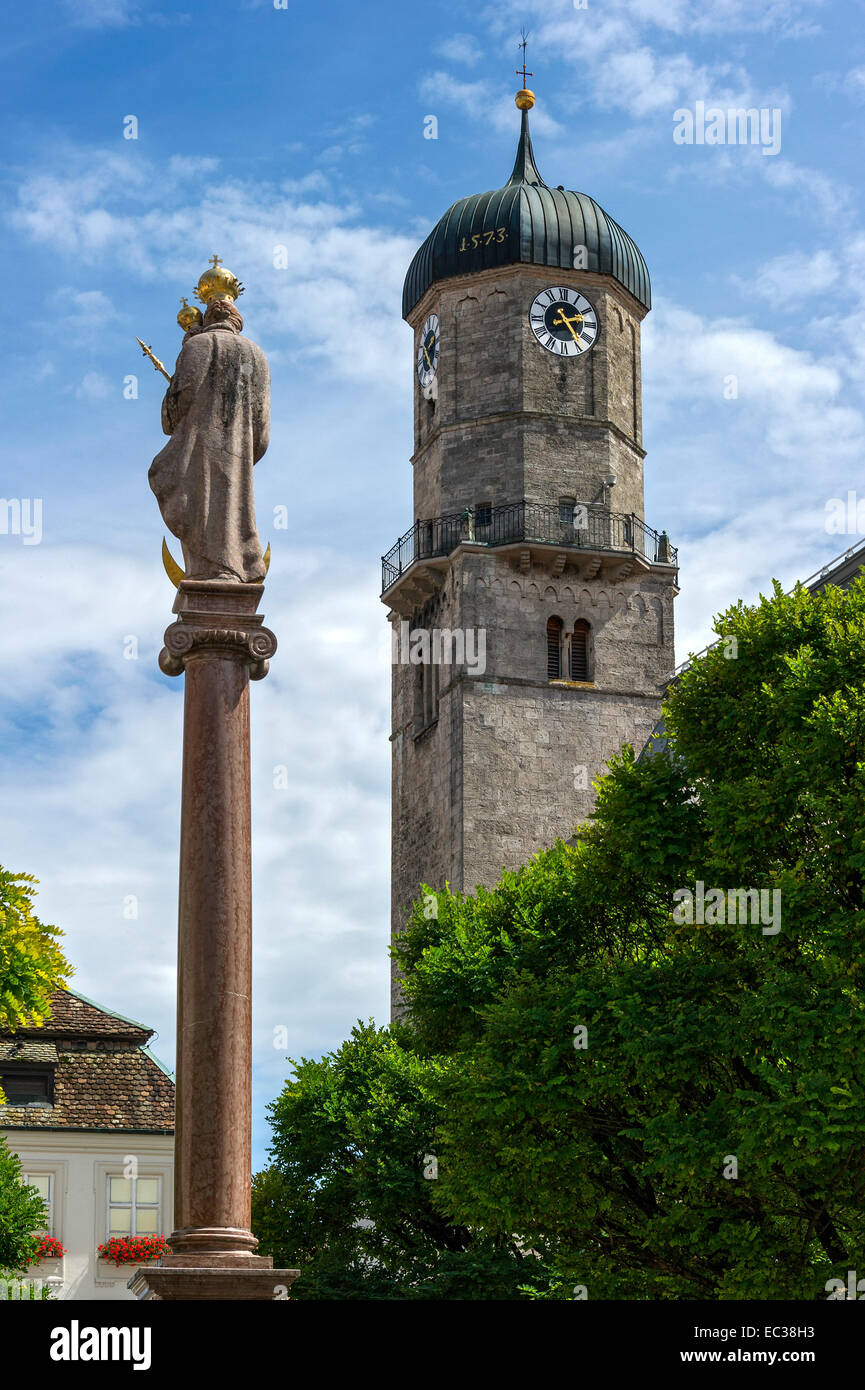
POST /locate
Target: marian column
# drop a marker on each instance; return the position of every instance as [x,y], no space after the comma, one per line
[217,414]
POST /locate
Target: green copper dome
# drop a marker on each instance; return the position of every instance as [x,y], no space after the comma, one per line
[525,223]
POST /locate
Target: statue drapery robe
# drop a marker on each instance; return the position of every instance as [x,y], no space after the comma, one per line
[217,412]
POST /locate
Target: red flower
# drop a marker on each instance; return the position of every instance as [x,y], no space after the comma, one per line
[49,1248]
[133,1249]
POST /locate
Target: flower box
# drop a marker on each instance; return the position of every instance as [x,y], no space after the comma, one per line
[49,1248]
[134,1250]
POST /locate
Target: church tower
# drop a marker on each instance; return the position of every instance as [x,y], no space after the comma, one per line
[531,604]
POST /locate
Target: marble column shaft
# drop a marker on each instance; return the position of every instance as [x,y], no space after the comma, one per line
[219,643]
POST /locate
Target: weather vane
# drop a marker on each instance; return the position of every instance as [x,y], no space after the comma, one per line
[522,71]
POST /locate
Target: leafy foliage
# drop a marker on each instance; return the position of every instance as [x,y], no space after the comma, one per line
[21,1214]
[31,962]
[707,1141]
[48,1248]
[346,1196]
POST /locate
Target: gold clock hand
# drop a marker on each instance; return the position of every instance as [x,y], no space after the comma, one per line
[426,355]
[563,319]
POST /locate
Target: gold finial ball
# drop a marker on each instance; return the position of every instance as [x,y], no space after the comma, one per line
[525,99]
[189,316]
[217,282]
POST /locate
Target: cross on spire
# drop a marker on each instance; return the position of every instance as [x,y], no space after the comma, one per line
[215,261]
[522,71]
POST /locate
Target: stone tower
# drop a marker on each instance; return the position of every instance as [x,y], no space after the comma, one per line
[532,607]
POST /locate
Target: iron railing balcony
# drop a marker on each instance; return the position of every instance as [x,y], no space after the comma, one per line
[592,528]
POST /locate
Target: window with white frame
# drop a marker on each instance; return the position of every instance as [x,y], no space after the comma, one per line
[44,1184]
[134,1206]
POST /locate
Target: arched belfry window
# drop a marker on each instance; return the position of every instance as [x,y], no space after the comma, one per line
[555,628]
[426,697]
[580,651]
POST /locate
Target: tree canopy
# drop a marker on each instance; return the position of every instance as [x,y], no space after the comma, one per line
[31,962]
[626,1099]
[21,1214]
[349,1194]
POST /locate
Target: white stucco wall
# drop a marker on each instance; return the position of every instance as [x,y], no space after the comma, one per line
[80,1163]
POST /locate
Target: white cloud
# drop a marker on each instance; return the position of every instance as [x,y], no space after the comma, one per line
[95,812]
[182,166]
[818,193]
[786,279]
[94,387]
[462,48]
[102,14]
[481,100]
[646,83]
[851,83]
[854,83]
[90,304]
[795,397]
[313,182]
[786,18]
[632,56]
[336,292]
[759,467]
[84,317]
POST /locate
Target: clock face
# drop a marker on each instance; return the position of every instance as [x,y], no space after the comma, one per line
[563,321]
[428,350]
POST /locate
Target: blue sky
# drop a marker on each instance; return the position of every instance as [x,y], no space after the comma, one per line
[304,128]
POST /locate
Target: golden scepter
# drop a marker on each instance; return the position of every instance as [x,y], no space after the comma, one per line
[154,359]
[188,317]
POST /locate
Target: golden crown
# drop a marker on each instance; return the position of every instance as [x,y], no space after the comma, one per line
[189,315]
[217,282]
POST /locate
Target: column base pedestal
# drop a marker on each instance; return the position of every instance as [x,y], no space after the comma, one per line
[206,1278]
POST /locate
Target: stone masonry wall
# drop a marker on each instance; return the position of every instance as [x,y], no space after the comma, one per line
[507,420]
[495,773]
[496,778]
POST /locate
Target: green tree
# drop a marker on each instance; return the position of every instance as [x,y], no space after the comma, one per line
[21,1214]
[348,1197]
[31,962]
[31,967]
[707,1140]
[620,1098]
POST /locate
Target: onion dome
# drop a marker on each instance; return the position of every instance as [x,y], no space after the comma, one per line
[526,223]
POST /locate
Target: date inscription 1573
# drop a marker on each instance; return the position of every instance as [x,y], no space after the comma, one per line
[476,239]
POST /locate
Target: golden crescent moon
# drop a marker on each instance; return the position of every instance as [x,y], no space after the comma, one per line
[176,574]
[172,569]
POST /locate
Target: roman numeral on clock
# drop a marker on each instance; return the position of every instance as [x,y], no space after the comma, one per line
[563,321]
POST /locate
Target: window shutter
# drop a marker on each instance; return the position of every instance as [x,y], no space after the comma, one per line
[554,648]
[580,652]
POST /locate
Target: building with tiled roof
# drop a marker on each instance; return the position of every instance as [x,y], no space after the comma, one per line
[90,1113]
